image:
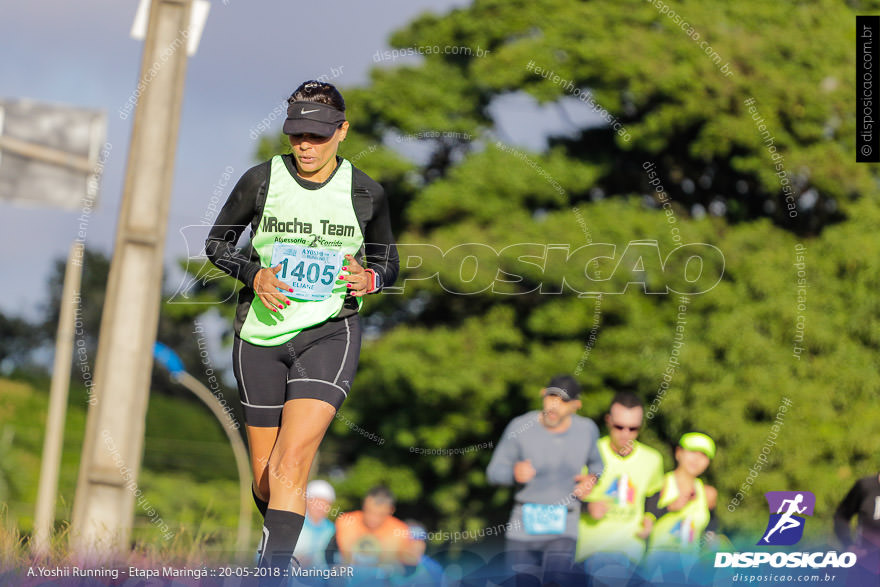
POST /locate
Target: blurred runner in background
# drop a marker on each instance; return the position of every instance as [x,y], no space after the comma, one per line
[317,529]
[863,501]
[680,514]
[426,572]
[608,534]
[372,540]
[544,453]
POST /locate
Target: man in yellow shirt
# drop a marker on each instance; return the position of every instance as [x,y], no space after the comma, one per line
[608,534]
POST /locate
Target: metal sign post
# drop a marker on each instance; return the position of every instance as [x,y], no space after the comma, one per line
[49,157]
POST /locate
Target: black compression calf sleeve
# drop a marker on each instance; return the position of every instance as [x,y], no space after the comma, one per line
[261,505]
[281,531]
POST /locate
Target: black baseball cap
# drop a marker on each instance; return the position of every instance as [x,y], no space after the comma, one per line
[312,118]
[564,386]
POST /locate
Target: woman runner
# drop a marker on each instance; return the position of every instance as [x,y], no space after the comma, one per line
[320,240]
[681,516]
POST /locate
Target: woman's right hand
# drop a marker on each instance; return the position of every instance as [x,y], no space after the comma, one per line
[266,286]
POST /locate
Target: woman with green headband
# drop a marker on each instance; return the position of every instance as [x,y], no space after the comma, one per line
[677,517]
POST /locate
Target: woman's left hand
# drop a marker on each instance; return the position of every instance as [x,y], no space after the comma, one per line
[359,279]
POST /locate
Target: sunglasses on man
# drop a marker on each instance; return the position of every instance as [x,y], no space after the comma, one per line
[630,428]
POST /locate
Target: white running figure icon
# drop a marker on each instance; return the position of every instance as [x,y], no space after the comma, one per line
[785,522]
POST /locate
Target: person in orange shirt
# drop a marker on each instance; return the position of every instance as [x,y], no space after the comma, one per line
[372,536]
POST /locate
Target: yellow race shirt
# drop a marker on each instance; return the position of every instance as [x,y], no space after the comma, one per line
[624,485]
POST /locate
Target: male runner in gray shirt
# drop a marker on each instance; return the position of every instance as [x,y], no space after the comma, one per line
[544,453]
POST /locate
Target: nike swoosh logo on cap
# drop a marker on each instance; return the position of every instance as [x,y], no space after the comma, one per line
[304,111]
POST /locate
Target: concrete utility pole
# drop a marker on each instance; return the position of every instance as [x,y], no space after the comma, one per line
[50,464]
[105,494]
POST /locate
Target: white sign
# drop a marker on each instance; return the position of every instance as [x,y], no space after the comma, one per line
[50,153]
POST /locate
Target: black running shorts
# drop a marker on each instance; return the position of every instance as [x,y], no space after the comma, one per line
[319,363]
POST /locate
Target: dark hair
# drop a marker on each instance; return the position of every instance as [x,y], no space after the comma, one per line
[381,494]
[627,399]
[319,92]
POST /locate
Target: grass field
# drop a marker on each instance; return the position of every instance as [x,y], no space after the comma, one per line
[188,476]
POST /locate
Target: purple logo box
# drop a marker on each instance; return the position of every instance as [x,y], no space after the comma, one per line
[775,499]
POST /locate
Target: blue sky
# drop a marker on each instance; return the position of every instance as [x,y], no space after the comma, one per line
[252,55]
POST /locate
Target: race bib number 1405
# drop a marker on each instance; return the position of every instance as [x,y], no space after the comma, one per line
[310,272]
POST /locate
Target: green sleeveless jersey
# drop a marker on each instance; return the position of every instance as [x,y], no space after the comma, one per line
[624,485]
[307,232]
[683,529]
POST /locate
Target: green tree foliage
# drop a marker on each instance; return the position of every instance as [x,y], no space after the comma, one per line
[467,345]
[180,310]
[677,79]
[17,343]
[92,293]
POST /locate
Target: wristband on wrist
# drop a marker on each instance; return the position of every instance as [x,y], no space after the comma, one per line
[374,281]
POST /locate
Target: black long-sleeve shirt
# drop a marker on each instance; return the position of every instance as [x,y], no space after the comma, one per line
[862,500]
[244,208]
